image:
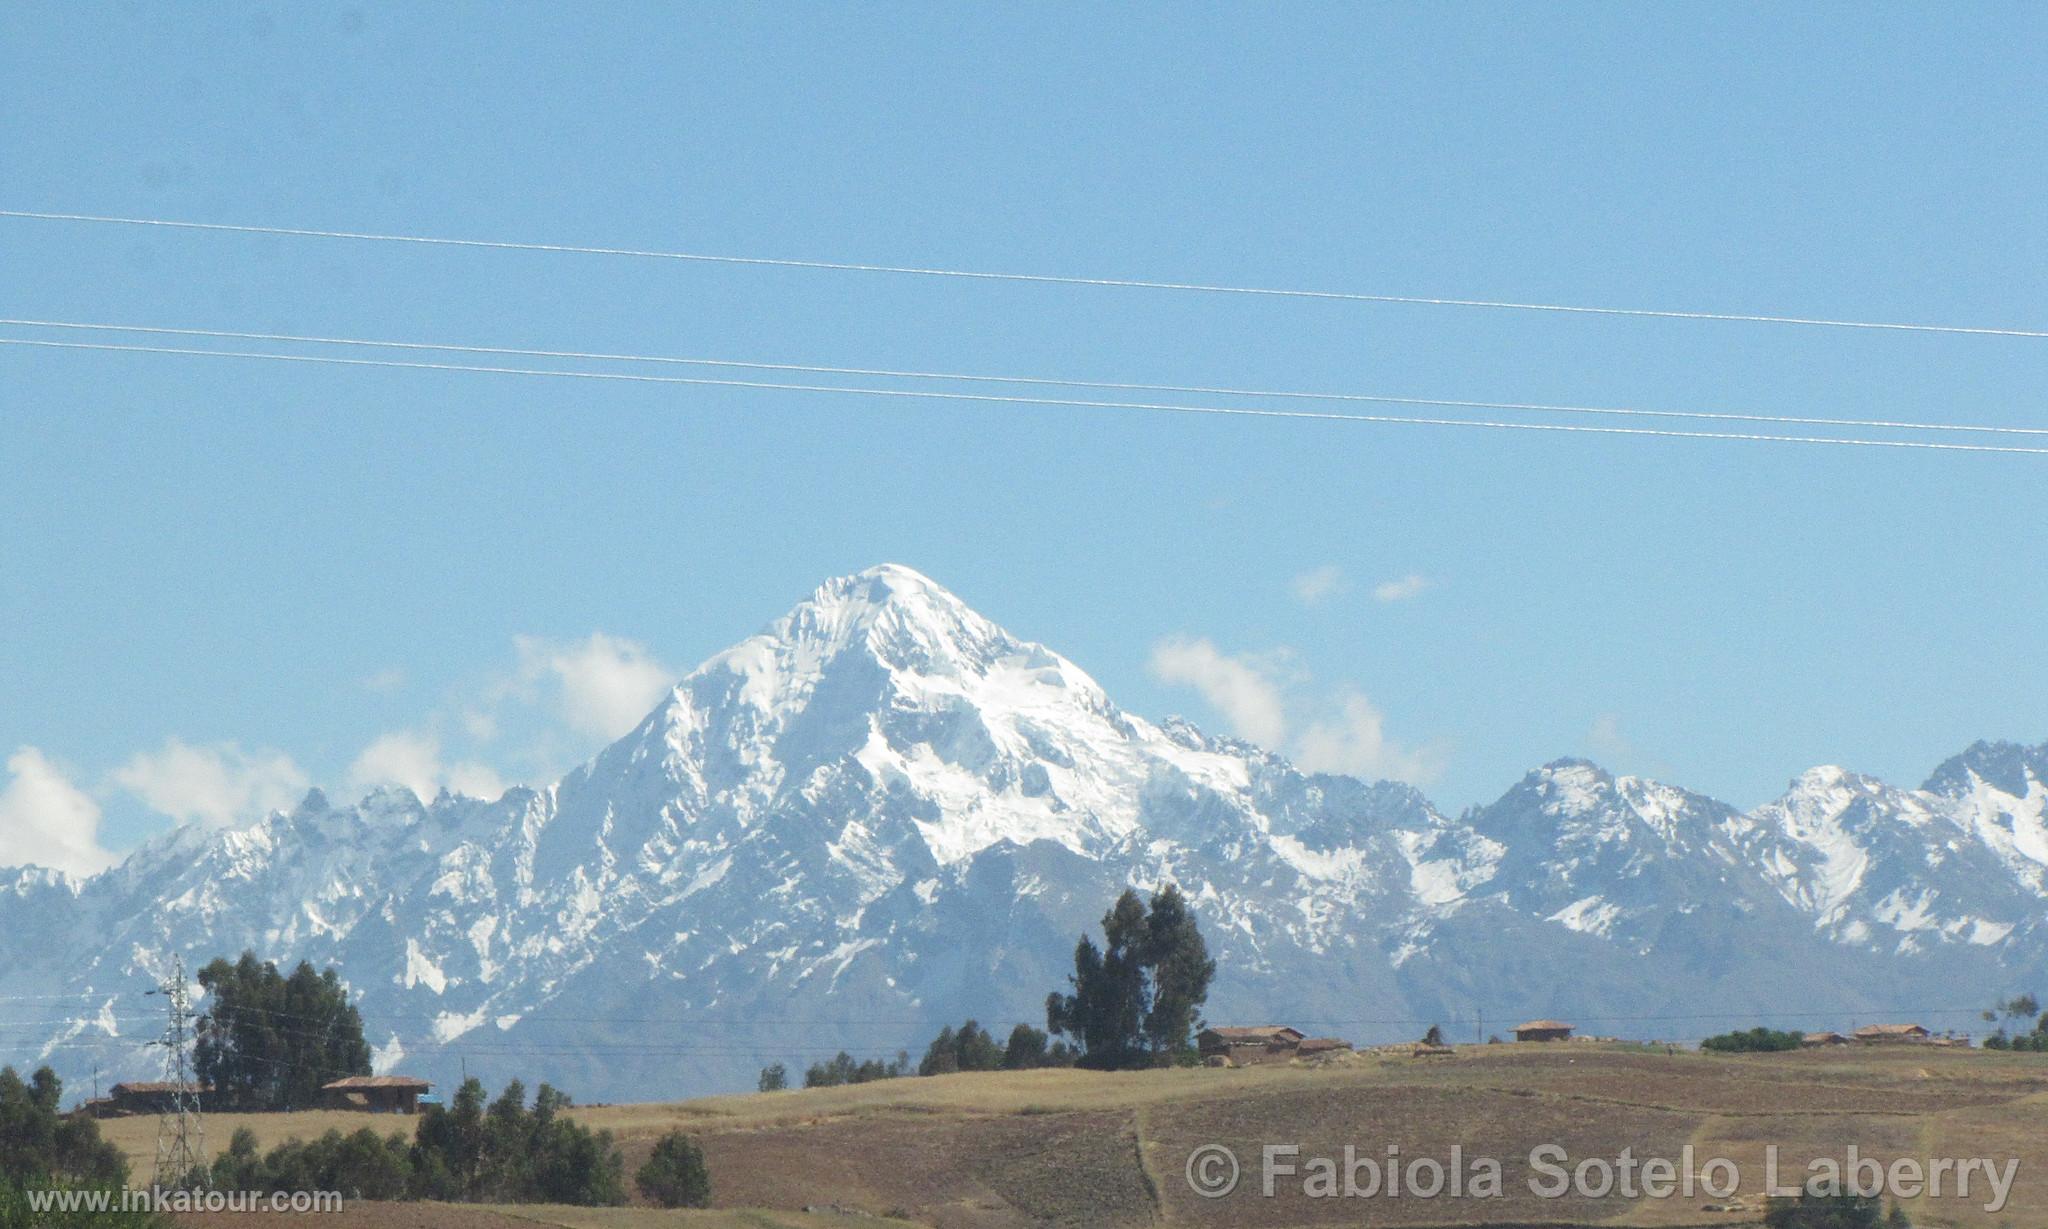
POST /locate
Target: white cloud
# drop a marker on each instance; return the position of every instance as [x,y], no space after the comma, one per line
[385,681]
[1316,584]
[1411,585]
[218,786]
[1345,733]
[1248,700]
[1353,740]
[481,725]
[1614,748]
[607,683]
[413,760]
[46,820]
[1607,740]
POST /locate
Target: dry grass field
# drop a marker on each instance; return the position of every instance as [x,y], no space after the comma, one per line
[1086,1149]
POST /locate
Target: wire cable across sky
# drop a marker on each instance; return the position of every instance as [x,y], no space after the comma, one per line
[1037,381]
[1125,283]
[1017,399]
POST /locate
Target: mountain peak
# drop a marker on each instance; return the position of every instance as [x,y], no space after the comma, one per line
[895,615]
[2004,766]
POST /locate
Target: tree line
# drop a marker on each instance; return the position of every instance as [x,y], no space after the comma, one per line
[474,1150]
[268,1041]
[505,1150]
[43,1149]
[2028,1025]
[1134,1000]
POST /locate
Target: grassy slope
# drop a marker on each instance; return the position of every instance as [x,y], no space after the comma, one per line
[1077,1148]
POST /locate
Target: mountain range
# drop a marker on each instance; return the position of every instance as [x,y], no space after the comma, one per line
[884,813]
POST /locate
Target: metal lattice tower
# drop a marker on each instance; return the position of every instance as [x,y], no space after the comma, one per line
[180,1134]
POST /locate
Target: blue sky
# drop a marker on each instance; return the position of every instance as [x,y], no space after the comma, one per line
[220,580]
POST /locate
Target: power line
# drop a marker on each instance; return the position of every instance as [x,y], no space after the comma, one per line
[1040,278]
[1011,399]
[1042,381]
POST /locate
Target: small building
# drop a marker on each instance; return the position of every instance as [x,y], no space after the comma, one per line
[1892,1034]
[145,1097]
[1544,1030]
[1259,1043]
[1815,1041]
[1310,1047]
[379,1094]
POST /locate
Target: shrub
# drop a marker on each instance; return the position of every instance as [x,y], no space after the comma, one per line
[1836,1211]
[674,1176]
[1755,1041]
[15,1212]
[506,1153]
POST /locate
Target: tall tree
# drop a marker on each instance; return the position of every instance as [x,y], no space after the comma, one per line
[1136,1000]
[1181,971]
[40,1145]
[268,1042]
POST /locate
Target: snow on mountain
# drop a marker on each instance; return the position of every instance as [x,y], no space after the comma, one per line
[885,812]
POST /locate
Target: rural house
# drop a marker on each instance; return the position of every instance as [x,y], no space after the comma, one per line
[1892,1034]
[380,1094]
[1544,1030]
[143,1097]
[1261,1043]
[1814,1041]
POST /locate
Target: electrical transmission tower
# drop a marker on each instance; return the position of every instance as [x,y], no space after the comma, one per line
[180,1135]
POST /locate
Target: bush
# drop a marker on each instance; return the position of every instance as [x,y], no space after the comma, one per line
[506,1153]
[2029,1043]
[774,1078]
[1840,1211]
[1755,1041]
[15,1212]
[674,1176]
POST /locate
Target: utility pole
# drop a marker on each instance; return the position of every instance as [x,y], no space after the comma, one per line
[180,1135]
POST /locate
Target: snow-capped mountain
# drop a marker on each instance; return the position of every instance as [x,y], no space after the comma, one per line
[885,812]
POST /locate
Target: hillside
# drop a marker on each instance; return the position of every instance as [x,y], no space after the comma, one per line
[1078,1148]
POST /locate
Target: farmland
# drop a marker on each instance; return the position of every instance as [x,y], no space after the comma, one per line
[1065,1147]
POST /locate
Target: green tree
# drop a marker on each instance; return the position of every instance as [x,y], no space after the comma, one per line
[774,1078]
[842,1068]
[1025,1049]
[674,1176]
[1136,1000]
[942,1056]
[970,1048]
[509,1152]
[1754,1041]
[268,1042]
[38,1145]
[1180,970]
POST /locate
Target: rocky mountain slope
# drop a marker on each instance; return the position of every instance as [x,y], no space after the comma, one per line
[885,812]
